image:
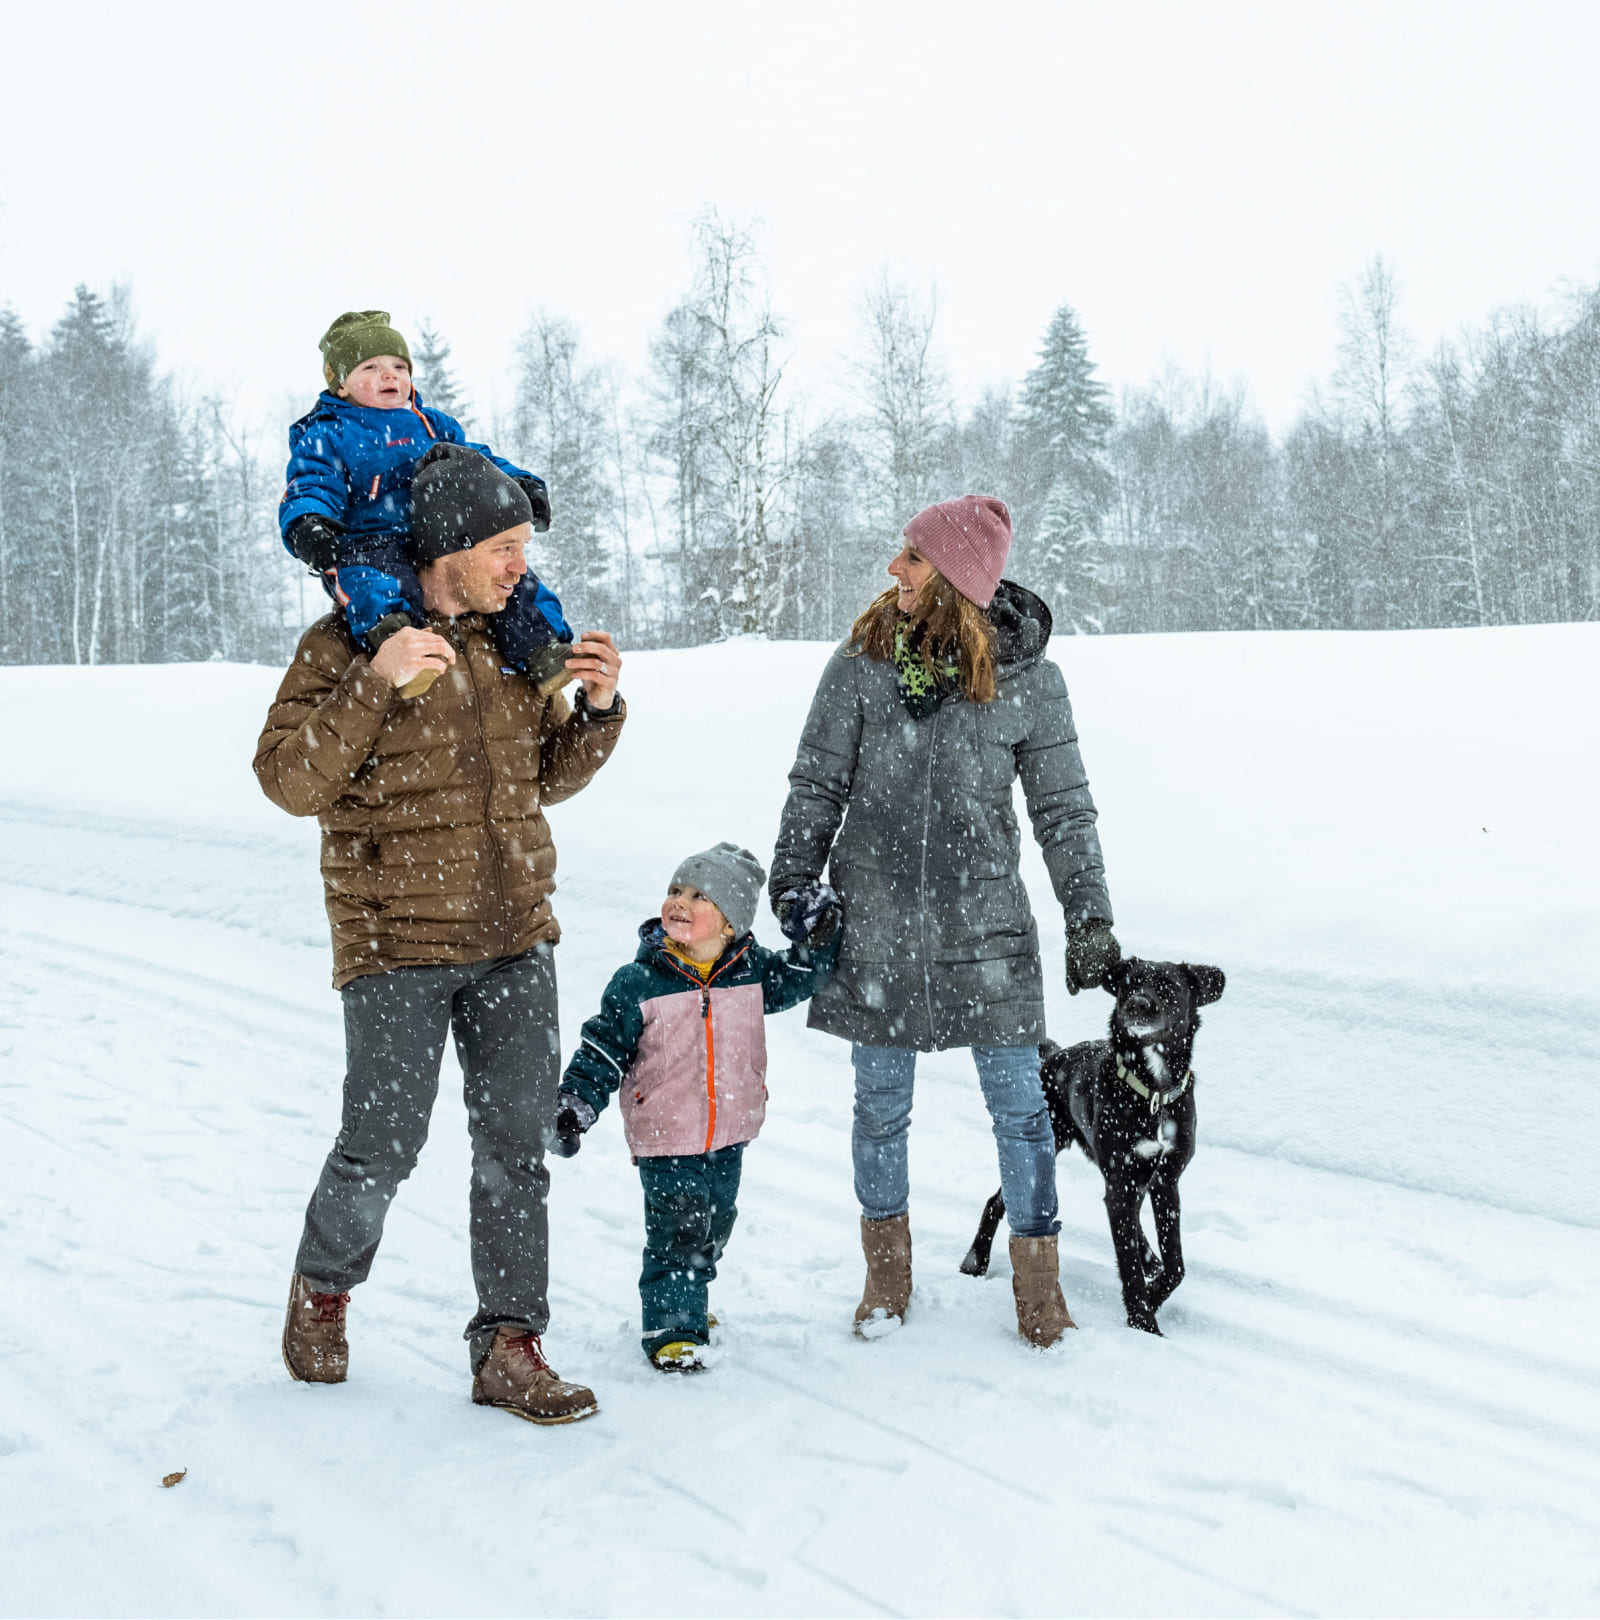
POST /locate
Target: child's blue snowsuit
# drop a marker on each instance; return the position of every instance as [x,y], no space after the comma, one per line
[353,464]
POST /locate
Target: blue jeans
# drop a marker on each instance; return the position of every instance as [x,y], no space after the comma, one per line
[1009,1076]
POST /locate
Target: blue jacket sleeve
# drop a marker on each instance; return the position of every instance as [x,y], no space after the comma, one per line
[795,975]
[317,480]
[449,429]
[609,1043]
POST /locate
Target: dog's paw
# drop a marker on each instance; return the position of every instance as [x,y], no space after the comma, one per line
[975,1264]
[1145,1324]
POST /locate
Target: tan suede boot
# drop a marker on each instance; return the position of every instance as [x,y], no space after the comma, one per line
[314,1347]
[515,1377]
[1042,1317]
[887,1246]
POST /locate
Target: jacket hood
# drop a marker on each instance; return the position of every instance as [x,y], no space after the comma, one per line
[1022,627]
[653,943]
[329,405]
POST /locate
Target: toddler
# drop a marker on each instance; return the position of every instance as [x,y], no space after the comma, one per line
[680,1032]
[347,510]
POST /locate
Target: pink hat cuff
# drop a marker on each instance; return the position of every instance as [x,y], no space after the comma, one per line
[967,540]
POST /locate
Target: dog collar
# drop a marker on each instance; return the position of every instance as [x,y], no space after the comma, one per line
[1158,1099]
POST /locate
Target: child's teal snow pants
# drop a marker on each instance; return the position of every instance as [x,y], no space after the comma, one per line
[689,1211]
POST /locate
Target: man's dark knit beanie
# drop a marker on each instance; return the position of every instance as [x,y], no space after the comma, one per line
[460,499]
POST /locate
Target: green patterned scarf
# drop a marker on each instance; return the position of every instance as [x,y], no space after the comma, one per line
[924,684]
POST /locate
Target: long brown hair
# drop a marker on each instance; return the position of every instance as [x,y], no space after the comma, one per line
[943,624]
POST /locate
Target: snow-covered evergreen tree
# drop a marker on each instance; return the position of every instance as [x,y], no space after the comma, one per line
[1065,421]
[435,377]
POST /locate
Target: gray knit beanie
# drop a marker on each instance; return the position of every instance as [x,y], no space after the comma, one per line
[460,499]
[728,876]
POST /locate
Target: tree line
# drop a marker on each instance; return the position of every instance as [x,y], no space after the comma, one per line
[706,498]
[136,525]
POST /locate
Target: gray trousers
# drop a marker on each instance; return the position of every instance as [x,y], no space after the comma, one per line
[503,1016]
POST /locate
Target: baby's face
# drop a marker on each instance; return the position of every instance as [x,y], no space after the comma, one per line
[383,383]
[692,920]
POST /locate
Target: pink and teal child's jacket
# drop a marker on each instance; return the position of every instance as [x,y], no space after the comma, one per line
[690,1057]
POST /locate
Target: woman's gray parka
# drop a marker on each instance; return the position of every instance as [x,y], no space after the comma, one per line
[940,947]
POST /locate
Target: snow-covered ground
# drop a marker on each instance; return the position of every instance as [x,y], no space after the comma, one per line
[1378,1391]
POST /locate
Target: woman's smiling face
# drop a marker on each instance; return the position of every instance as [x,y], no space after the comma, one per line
[911,572]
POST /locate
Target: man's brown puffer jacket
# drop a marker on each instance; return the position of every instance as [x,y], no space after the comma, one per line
[434,847]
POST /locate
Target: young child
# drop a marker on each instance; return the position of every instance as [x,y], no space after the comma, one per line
[347,509]
[680,1032]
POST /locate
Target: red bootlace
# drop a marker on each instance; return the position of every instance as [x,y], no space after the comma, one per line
[527,1344]
[329,1307]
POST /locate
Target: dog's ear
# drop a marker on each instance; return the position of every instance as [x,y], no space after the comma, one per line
[1208,983]
[1116,976]
[1047,1050]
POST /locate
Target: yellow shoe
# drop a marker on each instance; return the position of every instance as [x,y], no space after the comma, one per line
[682,1355]
[711,1321]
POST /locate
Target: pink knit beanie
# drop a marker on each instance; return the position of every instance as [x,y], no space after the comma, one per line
[967,540]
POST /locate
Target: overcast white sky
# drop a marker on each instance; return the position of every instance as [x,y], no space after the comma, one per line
[1196,180]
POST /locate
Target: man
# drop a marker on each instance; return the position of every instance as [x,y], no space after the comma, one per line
[438,867]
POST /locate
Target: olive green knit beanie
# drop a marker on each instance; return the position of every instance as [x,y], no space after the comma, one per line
[356,336]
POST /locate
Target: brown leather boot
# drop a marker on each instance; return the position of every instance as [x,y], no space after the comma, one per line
[887,1246]
[1042,1317]
[515,1377]
[314,1347]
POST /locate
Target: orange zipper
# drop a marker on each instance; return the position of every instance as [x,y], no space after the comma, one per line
[711,1068]
[711,1040]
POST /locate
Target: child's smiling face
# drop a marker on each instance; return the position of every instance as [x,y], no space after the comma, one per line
[693,923]
[382,383]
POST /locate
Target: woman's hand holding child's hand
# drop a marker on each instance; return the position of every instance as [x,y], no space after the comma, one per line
[810,912]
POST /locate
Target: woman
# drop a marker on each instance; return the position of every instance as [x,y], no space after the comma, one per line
[940,699]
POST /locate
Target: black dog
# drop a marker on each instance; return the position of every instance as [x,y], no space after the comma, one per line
[1129,1104]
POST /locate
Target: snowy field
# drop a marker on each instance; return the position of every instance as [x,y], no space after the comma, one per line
[1378,1393]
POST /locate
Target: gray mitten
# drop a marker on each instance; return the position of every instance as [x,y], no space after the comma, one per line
[809,912]
[1092,951]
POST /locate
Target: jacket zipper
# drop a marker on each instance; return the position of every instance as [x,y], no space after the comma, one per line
[488,792]
[922,898]
[711,1038]
[711,1065]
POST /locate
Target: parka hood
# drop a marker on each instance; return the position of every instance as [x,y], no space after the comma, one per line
[653,942]
[330,407]
[1022,627]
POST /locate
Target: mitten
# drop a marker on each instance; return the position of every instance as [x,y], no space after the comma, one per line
[1092,951]
[539,499]
[573,1117]
[810,912]
[314,539]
